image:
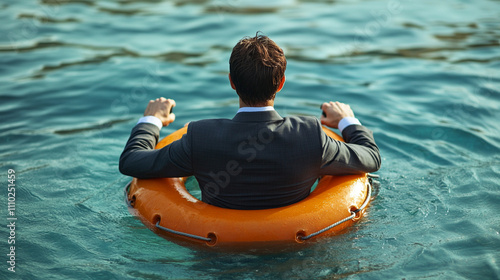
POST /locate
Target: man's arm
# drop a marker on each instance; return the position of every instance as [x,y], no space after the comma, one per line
[140,159]
[359,154]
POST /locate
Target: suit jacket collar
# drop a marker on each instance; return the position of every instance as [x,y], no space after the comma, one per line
[265,116]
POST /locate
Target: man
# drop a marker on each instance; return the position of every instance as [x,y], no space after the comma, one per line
[258,159]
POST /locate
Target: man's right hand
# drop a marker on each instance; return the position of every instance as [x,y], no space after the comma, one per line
[335,111]
[161,108]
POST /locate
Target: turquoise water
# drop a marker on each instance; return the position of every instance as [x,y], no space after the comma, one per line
[75,75]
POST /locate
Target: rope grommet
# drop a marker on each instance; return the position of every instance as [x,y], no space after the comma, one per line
[129,199]
[355,211]
[131,202]
[213,239]
[156,219]
[300,236]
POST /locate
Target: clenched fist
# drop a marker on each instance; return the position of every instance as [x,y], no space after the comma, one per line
[161,108]
[335,111]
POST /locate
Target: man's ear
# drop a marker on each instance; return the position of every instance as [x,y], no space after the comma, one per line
[231,81]
[281,84]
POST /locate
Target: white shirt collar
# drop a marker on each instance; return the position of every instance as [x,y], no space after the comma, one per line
[256,109]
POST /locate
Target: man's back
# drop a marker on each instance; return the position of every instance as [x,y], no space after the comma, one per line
[257,160]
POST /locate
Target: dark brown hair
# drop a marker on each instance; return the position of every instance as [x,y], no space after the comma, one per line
[257,66]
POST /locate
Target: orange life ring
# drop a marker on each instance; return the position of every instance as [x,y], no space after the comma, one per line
[166,207]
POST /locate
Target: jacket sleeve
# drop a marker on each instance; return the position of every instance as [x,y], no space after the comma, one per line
[139,158]
[358,154]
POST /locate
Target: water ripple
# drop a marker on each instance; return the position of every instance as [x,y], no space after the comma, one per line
[100,126]
[427,53]
[45,19]
[242,10]
[187,58]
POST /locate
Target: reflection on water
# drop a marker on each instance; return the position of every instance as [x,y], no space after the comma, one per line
[174,56]
[64,2]
[44,19]
[359,49]
[293,53]
[241,10]
[128,12]
[101,126]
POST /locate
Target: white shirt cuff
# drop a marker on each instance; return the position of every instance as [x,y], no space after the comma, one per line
[347,121]
[152,120]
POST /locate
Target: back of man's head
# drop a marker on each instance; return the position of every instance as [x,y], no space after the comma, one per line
[257,67]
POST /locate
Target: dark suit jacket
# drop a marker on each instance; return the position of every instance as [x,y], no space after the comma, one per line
[256,160]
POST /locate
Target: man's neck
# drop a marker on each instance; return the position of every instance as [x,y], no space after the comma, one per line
[265,104]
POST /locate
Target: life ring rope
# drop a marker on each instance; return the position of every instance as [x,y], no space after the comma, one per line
[353,215]
[207,239]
